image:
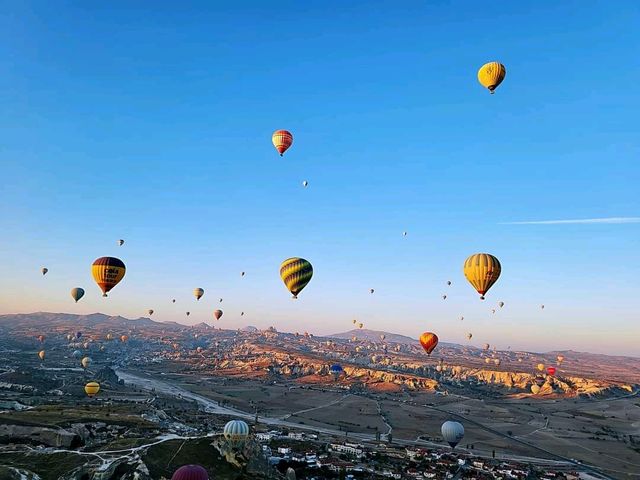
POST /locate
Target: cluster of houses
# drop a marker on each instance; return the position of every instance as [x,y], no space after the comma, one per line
[315,458]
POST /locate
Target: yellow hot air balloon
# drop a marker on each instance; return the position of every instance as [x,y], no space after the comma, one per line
[107,272]
[198,293]
[360,325]
[296,273]
[282,140]
[86,362]
[41,354]
[92,388]
[482,270]
[540,367]
[354,321]
[491,75]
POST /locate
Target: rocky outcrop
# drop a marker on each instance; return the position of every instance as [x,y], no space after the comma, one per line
[40,436]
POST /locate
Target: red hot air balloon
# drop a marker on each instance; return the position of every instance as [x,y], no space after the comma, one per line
[190,472]
[428,341]
[551,371]
[282,140]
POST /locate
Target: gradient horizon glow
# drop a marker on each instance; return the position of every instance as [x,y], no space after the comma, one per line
[152,122]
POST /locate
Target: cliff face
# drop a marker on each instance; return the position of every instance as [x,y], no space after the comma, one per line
[379,371]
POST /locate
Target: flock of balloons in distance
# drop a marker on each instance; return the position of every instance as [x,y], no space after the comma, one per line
[482,270]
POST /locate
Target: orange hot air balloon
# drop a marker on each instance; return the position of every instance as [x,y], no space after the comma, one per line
[124,338]
[282,140]
[107,273]
[428,341]
[551,371]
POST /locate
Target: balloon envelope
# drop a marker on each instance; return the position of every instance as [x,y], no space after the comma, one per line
[482,270]
[296,273]
[107,273]
[217,314]
[491,75]
[92,388]
[452,432]
[190,472]
[198,293]
[77,293]
[428,341]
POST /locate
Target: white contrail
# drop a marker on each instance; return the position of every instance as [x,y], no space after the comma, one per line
[610,220]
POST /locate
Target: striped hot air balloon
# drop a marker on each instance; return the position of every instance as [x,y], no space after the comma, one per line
[282,140]
[190,472]
[452,432]
[107,273]
[482,270]
[296,273]
[491,75]
[92,388]
[428,341]
[236,431]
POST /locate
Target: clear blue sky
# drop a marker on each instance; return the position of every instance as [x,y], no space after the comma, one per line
[152,122]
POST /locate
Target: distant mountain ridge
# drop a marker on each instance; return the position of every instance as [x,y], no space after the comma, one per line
[90,320]
[374,336]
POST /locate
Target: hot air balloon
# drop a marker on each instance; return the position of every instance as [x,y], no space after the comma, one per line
[438,368]
[540,367]
[449,282]
[78,335]
[535,389]
[360,325]
[107,273]
[560,359]
[242,274]
[217,314]
[44,270]
[92,389]
[282,140]
[41,354]
[173,301]
[41,338]
[496,361]
[336,370]
[120,242]
[501,304]
[124,338]
[242,314]
[296,273]
[404,234]
[542,307]
[150,311]
[86,362]
[452,432]
[236,431]
[77,293]
[486,346]
[444,297]
[482,271]
[428,341]
[469,335]
[109,336]
[190,472]
[77,354]
[188,313]
[305,184]
[551,371]
[493,310]
[461,318]
[199,349]
[85,345]
[487,360]
[220,300]
[371,290]
[198,293]
[354,321]
[383,336]
[491,75]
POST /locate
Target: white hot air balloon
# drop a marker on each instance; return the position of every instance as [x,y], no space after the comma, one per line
[452,432]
